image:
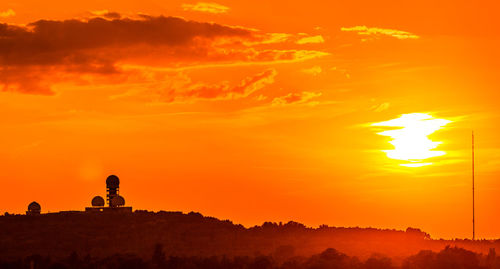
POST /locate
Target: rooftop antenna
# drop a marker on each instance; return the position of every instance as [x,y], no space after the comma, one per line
[473,211]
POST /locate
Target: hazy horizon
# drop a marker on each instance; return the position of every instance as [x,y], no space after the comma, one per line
[351,113]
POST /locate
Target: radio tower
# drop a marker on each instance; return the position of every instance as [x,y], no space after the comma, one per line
[473,221]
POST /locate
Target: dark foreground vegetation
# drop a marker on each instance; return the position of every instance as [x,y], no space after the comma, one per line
[195,241]
[448,258]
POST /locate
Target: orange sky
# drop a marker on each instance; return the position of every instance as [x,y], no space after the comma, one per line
[251,111]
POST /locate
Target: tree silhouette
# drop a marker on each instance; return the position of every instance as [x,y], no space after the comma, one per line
[159,258]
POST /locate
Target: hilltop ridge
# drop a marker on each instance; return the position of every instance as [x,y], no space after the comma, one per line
[192,234]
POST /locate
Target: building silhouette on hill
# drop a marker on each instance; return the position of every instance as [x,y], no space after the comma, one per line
[114,201]
[34,208]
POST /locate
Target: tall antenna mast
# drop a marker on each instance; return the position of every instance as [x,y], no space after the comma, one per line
[473,211]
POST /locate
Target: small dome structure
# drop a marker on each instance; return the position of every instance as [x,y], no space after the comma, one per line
[34,208]
[98,201]
[112,181]
[117,201]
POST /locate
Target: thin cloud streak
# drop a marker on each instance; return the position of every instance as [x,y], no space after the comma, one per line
[378,32]
[297,98]
[206,7]
[311,40]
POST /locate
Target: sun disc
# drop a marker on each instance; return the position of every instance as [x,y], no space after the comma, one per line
[411,142]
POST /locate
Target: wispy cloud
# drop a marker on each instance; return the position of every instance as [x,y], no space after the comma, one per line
[377,32]
[296,98]
[180,89]
[206,7]
[239,58]
[272,38]
[8,13]
[246,87]
[311,40]
[106,14]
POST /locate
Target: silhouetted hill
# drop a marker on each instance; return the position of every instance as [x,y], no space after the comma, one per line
[186,235]
[448,258]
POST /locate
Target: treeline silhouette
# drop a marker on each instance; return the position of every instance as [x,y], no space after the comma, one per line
[193,235]
[448,258]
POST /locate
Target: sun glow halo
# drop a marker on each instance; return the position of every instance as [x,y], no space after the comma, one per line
[411,142]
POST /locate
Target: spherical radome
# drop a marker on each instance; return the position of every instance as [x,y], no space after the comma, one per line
[98,201]
[118,201]
[34,207]
[112,181]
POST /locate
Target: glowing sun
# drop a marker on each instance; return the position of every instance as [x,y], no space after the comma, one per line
[411,142]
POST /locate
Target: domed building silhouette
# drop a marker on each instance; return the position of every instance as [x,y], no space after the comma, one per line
[34,208]
[97,201]
[115,202]
[112,188]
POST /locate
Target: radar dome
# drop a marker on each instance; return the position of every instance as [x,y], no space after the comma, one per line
[34,208]
[98,201]
[112,181]
[118,201]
